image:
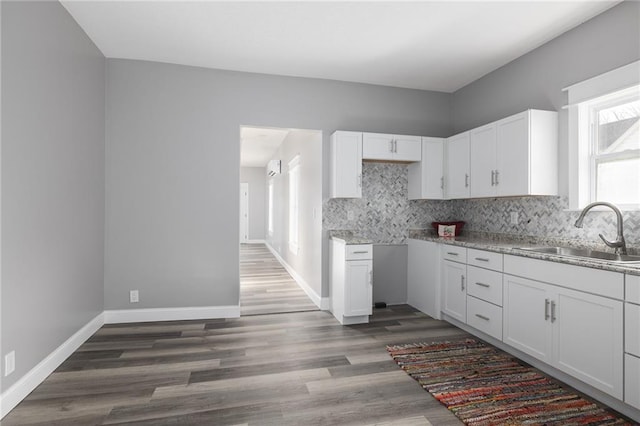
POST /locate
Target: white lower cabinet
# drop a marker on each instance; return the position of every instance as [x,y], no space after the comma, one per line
[351,282]
[423,277]
[632,380]
[454,289]
[578,333]
[484,316]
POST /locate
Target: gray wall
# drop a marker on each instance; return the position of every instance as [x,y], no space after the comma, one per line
[52,181]
[535,80]
[173,162]
[308,261]
[256,177]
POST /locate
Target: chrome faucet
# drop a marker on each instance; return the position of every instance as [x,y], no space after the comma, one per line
[619,243]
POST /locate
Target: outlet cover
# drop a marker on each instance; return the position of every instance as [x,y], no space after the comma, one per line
[514,218]
[9,363]
[350,215]
[134,296]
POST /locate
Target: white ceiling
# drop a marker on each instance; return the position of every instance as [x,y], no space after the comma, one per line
[431,45]
[258,145]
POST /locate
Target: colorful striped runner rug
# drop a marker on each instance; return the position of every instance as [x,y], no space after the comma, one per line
[483,386]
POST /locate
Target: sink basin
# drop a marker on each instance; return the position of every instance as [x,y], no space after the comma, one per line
[584,253]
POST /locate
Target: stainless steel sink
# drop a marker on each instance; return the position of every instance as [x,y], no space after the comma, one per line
[584,253]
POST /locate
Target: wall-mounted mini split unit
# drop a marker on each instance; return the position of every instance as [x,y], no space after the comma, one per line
[273,168]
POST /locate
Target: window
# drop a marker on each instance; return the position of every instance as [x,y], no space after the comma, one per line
[294,202]
[604,139]
[270,208]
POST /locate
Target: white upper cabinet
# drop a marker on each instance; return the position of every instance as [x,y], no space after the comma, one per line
[482,149]
[456,182]
[384,147]
[426,178]
[515,156]
[346,165]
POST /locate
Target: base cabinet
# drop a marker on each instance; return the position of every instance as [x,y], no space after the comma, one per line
[632,381]
[423,277]
[454,290]
[575,332]
[351,282]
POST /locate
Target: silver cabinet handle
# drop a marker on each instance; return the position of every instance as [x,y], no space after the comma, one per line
[395,146]
[553,311]
[546,309]
[391,145]
[482,317]
[462,282]
[442,182]
[452,253]
[497,178]
[493,174]
[466,180]
[371,277]
[482,259]
[483,285]
[361,252]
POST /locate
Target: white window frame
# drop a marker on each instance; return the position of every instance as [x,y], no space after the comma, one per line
[294,204]
[582,98]
[270,195]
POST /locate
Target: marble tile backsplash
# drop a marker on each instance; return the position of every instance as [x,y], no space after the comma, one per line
[384,214]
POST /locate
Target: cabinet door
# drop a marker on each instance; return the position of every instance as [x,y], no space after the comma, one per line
[457,175]
[526,317]
[407,148]
[588,339]
[454,290]
[513,156]
[358,292]
[482,161]
[632,381]
[377,146]
[346,165]
[426,178]
[423,277]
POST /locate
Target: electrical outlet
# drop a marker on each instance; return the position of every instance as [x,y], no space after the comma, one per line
[514,218]
[350,215]
[9,363]
[134,296]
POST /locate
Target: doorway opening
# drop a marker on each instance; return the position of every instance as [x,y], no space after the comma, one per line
[280,220]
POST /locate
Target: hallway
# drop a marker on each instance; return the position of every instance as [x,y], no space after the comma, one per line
[266,287]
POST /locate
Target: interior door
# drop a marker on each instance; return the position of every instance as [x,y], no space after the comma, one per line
[244,212]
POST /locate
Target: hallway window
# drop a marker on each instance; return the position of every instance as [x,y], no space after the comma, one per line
[294,200]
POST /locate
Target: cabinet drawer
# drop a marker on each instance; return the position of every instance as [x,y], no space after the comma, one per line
[632,381]
[485,259]
[485,317]
[359,252]
[589,280]
[632,285]
[632,329]
[455,253]
[485,284]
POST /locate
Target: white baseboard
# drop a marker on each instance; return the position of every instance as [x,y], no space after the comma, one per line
[27,383]
[315,298]
[170,314]
[325,303]
[255,242]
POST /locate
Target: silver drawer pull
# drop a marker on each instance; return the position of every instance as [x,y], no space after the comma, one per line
[482,259]
[483,285]
[452,253]
[360,252]
[482,317]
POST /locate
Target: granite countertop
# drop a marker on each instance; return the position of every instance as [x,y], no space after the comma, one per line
[348,237]
[512,244]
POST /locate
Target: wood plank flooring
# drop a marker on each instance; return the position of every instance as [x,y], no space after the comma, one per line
[266,287]
[300,368]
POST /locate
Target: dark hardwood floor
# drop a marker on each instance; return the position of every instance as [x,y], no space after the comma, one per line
[300,368]
[266,287]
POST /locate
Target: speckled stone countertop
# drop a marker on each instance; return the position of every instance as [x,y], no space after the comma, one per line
[348,237]
[512,244]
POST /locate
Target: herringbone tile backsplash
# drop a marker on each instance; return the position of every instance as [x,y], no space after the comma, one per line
[384,214]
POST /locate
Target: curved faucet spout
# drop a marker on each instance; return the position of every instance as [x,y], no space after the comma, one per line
[619,243]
